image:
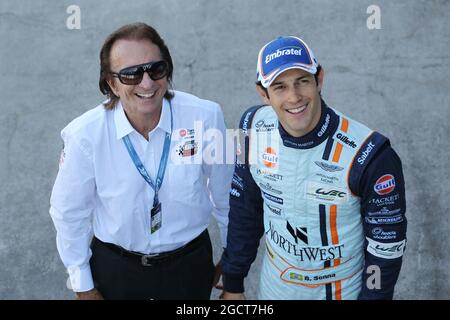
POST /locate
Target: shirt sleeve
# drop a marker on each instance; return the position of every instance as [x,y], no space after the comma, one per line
[219,173]
[71,208]
[383,207]
[246,225]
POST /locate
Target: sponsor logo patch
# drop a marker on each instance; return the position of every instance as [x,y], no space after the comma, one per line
[384,212]
[268,187]
[235,193]
[328,167]
[366,153]
[386,250]
[269,158]
[384,185]
[380,234]
[188,146]
[322,192]
[390,200]
[350,142]
[187,149]
[261,126]
[272,198]
[324,126]
[245,122]
[269,175]
[238,182]
[298,250]
[384,220]
[327,179]
[300,233]
[274,209]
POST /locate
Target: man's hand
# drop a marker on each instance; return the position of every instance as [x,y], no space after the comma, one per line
[93,294]
[232,296]
[217,275]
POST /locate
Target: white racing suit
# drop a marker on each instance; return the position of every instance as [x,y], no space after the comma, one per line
[331,205]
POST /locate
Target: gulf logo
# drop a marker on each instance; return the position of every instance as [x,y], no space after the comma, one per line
[385,184]
[269,158]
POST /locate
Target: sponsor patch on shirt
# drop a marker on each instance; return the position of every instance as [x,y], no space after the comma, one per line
[261,126]
[235,193]
[272,198]
[274,209]
[188,146]
[391,250]
[238,181]
[382,234]
[383,212]
[268,187]
[324,192]
[384,220]
[384,185]
[385,201]
[269,175]
[328,166]
[346,140]
[269,157]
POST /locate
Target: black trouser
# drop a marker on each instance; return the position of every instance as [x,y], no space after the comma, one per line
[185,276]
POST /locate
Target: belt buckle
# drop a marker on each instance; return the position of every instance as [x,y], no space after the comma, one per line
[144,259]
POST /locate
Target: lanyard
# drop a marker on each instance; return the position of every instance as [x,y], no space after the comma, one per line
[163,162]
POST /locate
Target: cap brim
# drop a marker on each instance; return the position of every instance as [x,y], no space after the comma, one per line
[269,80]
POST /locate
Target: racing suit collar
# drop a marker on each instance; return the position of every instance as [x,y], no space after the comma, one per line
[326,127]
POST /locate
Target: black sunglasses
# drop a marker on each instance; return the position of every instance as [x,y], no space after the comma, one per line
[133,75]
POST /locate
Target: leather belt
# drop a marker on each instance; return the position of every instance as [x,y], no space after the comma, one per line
[149,260]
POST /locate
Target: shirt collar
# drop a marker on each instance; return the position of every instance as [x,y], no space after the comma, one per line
[124,127]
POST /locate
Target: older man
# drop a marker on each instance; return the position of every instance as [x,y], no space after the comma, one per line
[133,180]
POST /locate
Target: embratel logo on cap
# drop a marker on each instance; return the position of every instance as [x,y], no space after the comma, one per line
[385,184]
[282,54]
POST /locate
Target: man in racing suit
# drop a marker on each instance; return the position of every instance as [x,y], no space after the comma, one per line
[327,192]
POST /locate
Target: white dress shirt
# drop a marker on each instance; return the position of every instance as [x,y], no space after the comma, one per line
[98,190]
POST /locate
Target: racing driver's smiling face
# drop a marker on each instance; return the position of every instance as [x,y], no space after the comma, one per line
[294,96]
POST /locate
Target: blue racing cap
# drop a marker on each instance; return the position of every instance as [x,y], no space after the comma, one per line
[282,54]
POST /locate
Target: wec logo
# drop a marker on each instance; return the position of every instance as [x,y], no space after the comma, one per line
[334,193]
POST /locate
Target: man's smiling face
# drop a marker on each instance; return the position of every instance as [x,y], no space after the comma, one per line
[294,96]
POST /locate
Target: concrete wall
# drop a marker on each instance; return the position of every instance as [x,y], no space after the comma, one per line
[394,79]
